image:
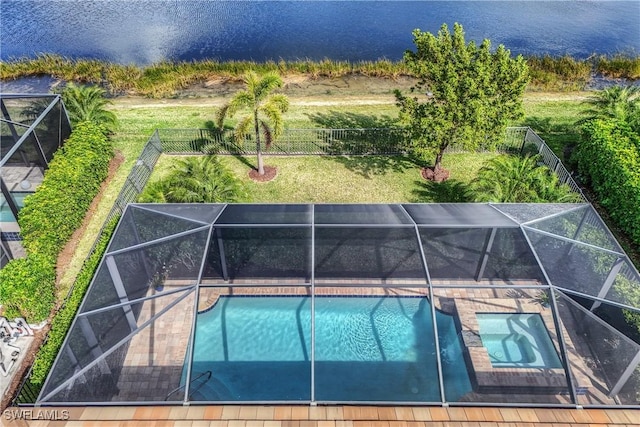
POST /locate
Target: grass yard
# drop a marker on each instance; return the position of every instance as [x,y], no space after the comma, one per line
[328,179]
[553,117]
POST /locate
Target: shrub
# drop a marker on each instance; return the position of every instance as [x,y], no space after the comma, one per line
[609,157]
[63,318]
[515,179]
[28,286]
[558,73]
[619,66]
[195,180]
[51,215]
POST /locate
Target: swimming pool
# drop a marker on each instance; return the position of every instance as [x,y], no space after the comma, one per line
[517,340]
[5,212]
[366,349]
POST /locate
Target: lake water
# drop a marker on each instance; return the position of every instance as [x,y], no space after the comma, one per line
[144,32]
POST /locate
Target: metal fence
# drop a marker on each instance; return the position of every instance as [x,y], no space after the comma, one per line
[552,161]
[359,142]
[352,142]
[136,180]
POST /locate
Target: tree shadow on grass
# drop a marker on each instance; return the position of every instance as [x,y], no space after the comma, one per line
[368,166]
[560,137]
[347,120]
[214,149]
[450,191]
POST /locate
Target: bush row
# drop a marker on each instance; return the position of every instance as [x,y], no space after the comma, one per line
[49,218]
[164,78]
[558,73]
[27,287]
[51,215]
[609,157]
[62,320]
[619,66]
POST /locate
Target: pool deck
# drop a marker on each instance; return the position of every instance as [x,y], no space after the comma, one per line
[319,416]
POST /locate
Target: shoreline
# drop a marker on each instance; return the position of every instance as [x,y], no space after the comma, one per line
[303,90]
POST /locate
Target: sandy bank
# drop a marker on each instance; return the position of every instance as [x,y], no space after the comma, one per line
[306,91]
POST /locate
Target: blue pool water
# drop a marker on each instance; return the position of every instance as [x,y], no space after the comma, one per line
[517,340]
[367,349]
[5,213]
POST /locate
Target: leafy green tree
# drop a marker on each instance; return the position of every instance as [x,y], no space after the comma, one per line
[617,102]
[515,179]
[195,180]
[88,104]
[465,95]
[265,110]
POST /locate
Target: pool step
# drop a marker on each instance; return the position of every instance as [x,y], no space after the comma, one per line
[208,298]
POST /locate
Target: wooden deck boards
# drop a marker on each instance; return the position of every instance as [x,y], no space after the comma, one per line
[321,416]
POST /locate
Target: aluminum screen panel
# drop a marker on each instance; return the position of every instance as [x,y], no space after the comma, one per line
[265,214]
[363,214]
[525,212]
[141,225]
[367,253]
[583,225]
[458,215]
[202,212]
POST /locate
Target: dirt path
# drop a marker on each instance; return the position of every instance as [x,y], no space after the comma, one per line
[306,91]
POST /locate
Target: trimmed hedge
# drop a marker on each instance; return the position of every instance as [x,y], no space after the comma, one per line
[28,287]
[49,218]
[609,156]
[51,215]
[62,320]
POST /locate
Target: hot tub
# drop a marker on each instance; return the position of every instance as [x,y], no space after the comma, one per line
[517,340]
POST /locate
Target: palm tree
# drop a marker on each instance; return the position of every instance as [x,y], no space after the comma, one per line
[88,103]
[195,180]
[265,108]
[514,179]
[617,102]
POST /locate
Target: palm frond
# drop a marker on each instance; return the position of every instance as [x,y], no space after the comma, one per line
[280,101]
[266,134]
[221,115]
[243,128]
[267,83]
[274,116]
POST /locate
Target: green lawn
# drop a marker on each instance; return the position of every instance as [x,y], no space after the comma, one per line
[554,120]
[374,179]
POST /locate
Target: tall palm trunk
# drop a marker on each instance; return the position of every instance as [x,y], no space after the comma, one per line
[258,147]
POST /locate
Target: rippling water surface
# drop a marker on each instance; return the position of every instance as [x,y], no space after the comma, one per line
[144,32]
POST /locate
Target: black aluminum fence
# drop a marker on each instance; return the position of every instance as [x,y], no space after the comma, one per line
[371,141]
[352,142]
[552,161]
[137,178]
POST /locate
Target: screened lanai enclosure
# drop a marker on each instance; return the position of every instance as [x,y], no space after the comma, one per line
[401,304]
[32,128]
